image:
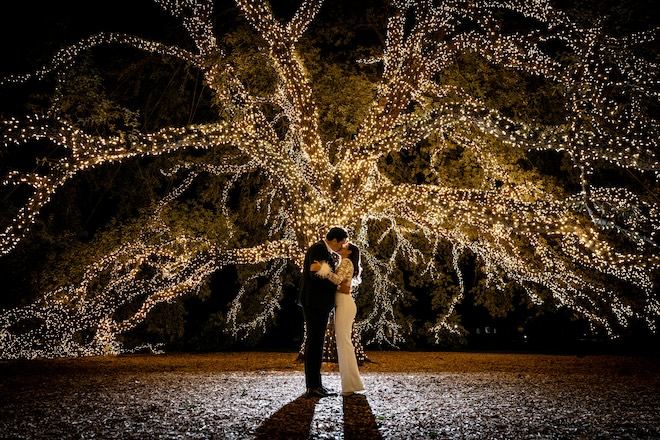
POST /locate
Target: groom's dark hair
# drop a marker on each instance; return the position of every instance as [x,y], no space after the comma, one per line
[336,233]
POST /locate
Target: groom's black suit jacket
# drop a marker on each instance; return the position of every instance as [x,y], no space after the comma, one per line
[315,291]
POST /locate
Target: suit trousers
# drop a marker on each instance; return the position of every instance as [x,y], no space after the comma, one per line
[316,322]
[345,311]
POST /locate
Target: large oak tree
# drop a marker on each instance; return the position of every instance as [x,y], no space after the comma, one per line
[520,135]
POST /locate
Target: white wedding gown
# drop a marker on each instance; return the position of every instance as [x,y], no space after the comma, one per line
[345,311]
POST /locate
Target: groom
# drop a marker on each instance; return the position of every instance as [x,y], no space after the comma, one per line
[317,297]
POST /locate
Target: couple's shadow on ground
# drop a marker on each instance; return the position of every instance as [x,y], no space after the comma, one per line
[294,420]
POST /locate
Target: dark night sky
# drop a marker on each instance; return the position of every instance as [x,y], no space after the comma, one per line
[32,28]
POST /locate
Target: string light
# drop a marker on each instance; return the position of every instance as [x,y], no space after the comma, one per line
[519,229]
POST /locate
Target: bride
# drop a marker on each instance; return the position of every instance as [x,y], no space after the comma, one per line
[346,276]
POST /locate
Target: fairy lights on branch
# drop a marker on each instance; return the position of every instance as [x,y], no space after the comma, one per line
[518,227]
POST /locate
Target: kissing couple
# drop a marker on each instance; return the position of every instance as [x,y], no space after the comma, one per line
[332,269]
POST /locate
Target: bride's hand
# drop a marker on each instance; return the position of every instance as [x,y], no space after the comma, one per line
[345,287]
[315,267]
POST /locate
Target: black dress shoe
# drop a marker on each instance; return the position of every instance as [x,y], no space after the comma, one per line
[328,392]
[317,392]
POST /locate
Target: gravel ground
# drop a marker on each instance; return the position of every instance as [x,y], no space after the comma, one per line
[258,395]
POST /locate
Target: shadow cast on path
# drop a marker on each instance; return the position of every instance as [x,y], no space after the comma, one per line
[359,420]
[294,420]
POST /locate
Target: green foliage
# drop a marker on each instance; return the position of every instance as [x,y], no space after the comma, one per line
[248,61]
[86,104]
[514,93]
[343,89]
[438,160]
[162,91]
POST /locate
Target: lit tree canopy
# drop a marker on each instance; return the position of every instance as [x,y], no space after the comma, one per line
[477,187]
